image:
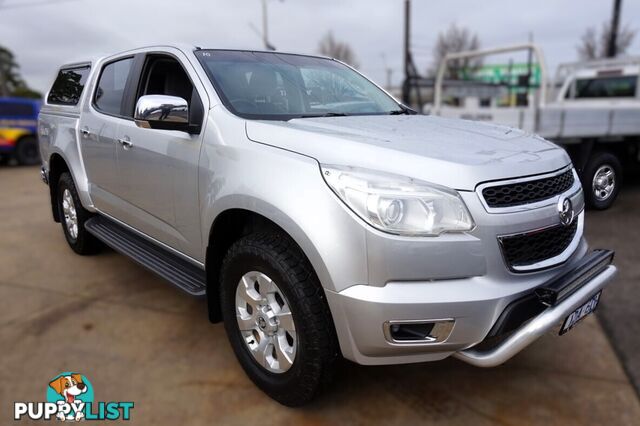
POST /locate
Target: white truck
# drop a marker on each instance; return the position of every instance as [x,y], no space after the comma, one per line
[591,108]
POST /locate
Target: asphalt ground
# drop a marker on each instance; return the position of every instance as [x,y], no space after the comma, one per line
[618,228]
[139,339]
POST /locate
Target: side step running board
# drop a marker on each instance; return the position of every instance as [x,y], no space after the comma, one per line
[169,266]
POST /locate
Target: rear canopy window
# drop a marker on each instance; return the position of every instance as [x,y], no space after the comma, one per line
[68,86]
[17,109]
[606,87]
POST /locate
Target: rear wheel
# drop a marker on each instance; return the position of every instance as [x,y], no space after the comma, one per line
[602,180]
[277,318]
[73,216]
[27,152]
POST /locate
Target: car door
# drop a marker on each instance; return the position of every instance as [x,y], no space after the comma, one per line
[158,169]
[98,124]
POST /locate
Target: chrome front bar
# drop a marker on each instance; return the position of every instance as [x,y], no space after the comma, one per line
[538,326]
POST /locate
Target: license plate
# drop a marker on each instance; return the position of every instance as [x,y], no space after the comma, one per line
[573,318]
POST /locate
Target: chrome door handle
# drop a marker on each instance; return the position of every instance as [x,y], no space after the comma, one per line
[125,142]
[85,132]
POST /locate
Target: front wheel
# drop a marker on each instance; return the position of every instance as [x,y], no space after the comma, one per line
[602,180]
[276,317]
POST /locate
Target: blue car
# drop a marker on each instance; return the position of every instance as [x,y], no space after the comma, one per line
[18,130]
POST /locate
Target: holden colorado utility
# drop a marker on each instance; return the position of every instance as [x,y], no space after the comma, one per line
[320,217]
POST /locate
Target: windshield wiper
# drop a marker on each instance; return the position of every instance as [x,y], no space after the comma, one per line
[327,114]
[403,110]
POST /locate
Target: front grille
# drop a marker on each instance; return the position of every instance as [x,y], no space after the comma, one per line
[536,246]
[515,194]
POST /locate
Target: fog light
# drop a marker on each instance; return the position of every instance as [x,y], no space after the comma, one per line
[411,331]
[419,331]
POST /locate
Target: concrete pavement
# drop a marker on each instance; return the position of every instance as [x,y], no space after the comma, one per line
[139,339]
[619,229]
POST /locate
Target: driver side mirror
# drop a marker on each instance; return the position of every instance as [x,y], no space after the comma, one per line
[162,112]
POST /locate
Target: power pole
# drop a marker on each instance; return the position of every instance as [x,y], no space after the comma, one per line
[264,34]
[406,88]
[612,48]
[265,27]
[412,79]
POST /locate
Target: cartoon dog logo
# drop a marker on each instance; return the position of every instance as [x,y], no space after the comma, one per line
[69,387]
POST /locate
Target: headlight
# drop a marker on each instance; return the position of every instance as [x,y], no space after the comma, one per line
[397,204]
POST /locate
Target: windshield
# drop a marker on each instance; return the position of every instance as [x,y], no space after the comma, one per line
[276,86]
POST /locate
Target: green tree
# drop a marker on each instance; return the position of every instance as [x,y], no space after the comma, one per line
[11,82]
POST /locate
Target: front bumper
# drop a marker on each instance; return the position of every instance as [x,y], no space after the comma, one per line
[574,289]
[473,304]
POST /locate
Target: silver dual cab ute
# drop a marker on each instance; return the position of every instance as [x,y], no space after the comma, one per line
[320,217]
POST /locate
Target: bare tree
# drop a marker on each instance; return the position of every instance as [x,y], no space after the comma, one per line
[594,46]
[340,50]
[456,39]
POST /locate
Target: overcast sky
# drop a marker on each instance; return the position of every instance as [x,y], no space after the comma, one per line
[56,31]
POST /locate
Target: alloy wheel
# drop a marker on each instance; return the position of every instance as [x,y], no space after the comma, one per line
[265,322]
[70,215]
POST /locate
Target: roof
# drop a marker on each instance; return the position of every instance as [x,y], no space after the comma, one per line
[185,48]
[630,65]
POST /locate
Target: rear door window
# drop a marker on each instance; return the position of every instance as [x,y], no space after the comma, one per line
[111,87]
[67,88]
